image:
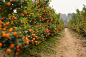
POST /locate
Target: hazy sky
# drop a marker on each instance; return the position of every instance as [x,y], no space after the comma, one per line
[67,6]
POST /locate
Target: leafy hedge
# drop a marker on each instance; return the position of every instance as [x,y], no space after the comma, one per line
[78,21]
[25,22]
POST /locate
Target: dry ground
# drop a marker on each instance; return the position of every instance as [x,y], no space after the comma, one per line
[70,46]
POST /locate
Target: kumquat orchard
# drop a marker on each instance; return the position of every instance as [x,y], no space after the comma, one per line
[26,22]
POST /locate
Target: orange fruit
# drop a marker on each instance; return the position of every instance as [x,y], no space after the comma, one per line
[33,35]
[18,49]
[3,35]
[4,25]
[28,36]
[12,23]
[42,37]
[8,4]
[7,35]
[8,50]
[15,33]
[39,16]
[10,30]
[16,53]
[23,11]
[22,15]
[17,46]
[36,31]
[1,22]
[22,1]
[30,30]
[7,23]
[12,0]
[12,45]
[50,9]
[27,43]
[38,42]
[2,18]
[28,15]
[14,28]
[0,25]
[35,41]
[26,39]
[33,31]
[0,9]
[3,32]
[0,44]
[22,46]
[32,43]
[4,29]
[0,28]
[23,37]
[20,32]
[33,38]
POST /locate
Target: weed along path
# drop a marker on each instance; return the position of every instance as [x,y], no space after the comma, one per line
[69,46]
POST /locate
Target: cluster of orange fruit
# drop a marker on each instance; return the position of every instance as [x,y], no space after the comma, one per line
[30,25]
[78,21]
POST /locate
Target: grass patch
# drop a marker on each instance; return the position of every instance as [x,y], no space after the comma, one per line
[46,47]
[60,34]
[75,34]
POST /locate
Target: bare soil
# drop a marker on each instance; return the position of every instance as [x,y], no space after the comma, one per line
[70,46]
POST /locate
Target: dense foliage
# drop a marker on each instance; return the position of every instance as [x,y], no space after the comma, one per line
[25,22]
[78,21]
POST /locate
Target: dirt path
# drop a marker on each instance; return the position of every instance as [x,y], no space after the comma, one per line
[70,46]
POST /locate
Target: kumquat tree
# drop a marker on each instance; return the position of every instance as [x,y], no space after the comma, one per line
[78,21]
[26,22]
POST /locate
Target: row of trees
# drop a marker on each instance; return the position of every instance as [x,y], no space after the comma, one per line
[26,22]
[78,21]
